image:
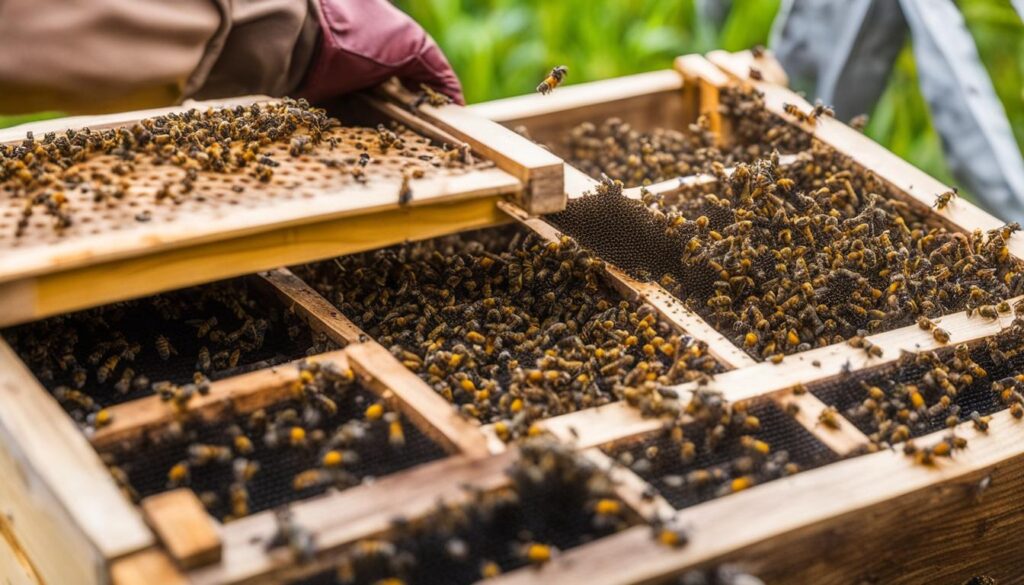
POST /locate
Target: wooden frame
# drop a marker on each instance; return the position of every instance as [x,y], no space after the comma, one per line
[48,280]
[835,524]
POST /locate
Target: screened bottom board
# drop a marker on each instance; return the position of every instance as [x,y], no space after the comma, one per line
[846,393]
[147,465]
[778,429]
[176,316]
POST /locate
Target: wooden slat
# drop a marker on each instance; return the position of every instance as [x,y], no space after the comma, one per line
[669,307]
[337,519]
[185,528]
[875,518]
[843,440]
[645,101]
[432,413]
[631,489]
[47,469]
[709,80]
[72,289]
[535,166]
[149,567]
[913,184]
[836,360]
[15,565]
[315,310]
[592,427]
[239,394]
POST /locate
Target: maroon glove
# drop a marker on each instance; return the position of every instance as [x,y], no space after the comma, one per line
[365,42]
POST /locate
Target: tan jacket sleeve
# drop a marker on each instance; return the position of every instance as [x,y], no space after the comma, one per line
[86,56]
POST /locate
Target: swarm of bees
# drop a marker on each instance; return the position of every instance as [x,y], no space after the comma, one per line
[556,499]
[784,259]
[616,149]
[329,434]
[75,177]
[511,329]
[173,345]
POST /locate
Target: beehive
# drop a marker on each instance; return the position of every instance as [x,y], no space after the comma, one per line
[789,490]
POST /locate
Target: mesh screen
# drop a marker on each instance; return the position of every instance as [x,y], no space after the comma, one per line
[778,429]
[848,393]
[147,465]
[61,348]
[492,529]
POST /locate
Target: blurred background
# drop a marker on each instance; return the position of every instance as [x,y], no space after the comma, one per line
[502,48]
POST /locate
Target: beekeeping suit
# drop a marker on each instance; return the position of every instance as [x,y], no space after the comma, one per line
[842,51]
[104,55]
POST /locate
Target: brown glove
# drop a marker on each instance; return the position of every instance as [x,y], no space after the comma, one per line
[365,42]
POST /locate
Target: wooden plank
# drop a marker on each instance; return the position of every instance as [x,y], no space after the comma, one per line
[709,80]
[539,169]
[669,307]
[687,182]
[577,183]
[315,310]
[119,119]
[149,567]
[601,425]
[185,528]
[836,360]
[48,469]
[844,440]
[631,488]
[239,394]
[79,288]
[15,565]
[876,518]
[417,400]
[337,519]
[645,101]
[911,183]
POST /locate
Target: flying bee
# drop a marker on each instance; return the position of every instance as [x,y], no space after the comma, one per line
[944,199]
[553,80]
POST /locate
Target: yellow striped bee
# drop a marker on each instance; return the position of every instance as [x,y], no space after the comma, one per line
[553,79]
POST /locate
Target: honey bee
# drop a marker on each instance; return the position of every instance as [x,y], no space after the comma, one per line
[430,96]
[830,418]
[553,80]
[944,199]
[203,454]
[405,191]
[164,348]
[289,533]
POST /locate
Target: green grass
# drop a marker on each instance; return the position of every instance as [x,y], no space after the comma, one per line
[502,48]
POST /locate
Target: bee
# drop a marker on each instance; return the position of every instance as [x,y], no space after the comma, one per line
[430,96]
[164,348]
[553,80]
[944,199]
[312,478]
[756,74]
[203,454]
[178,475]
[859,122]
[830,418]
[289,533]
[980,422]
[239,497]
[537,553]
[863,343]
[940,335]
[405,191]
[396,435]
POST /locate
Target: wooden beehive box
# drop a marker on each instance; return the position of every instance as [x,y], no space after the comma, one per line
[848,518]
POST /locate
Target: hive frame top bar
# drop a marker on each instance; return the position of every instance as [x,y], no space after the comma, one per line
[196,248]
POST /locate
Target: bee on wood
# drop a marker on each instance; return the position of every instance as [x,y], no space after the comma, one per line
[289,533]
[404,191]
[553,80]
[430,96]
[944,199]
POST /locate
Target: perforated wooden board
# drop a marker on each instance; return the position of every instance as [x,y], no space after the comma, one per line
[130,222]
